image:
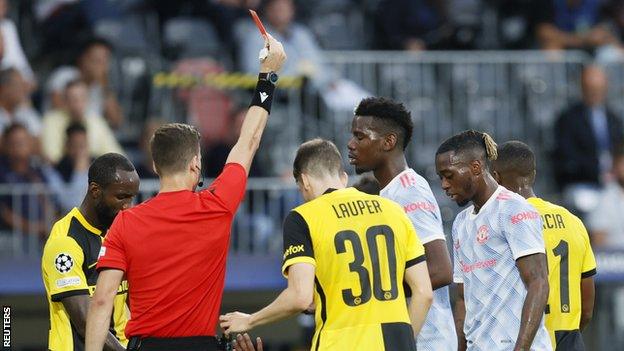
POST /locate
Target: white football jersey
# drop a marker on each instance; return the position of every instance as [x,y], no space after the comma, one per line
[486,246]
[413,193]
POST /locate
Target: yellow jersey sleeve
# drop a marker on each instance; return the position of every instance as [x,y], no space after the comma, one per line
[62,268]
[297,242]
[415,251]
[589,261]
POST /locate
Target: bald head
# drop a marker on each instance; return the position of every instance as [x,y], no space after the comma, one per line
[594,83]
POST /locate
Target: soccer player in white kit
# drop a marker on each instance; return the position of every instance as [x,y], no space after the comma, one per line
[499,256]
[381,130]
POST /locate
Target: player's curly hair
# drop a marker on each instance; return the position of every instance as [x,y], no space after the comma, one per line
[480,143]
[393,114]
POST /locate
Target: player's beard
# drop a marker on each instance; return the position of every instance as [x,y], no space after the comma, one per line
[106,215]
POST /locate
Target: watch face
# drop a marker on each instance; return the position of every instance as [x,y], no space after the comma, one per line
[273,77]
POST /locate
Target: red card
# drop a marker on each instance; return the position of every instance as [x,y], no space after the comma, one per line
[256,19]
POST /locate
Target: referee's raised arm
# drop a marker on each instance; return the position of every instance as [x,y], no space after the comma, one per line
[258,113]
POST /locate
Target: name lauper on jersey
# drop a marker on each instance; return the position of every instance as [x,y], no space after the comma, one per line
[486,247]
[413,193]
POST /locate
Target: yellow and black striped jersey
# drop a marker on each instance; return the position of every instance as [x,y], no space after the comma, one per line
[68,268]
[570,258]
[360,246]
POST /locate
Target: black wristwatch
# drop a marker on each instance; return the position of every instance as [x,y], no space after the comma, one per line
[270,77]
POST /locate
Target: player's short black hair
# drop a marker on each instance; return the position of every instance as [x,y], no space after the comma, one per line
[317,157]
[516,156]
[104,169]
[478,144]
[392,114]
[75,127]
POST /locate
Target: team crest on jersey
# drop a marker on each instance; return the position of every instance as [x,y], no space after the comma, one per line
[482,234]
[63,263]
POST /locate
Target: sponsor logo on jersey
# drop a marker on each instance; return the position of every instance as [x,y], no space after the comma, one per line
[523,216]
[67,281]
[293,249]
[467,268]
[423,205]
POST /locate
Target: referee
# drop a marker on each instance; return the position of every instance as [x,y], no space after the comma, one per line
[71,252]
[173,247]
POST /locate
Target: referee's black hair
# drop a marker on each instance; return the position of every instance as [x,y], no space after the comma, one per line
[317,157]
[104,169]
[479,144]
[393,115]
[516,156]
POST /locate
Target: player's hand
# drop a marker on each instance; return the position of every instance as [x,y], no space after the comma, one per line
[244,343]
[235,322]
[275,57]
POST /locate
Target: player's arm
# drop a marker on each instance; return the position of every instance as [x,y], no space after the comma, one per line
[588,291]
[417,277]
[460,317]
[438,263]
[98,318]
[256,118]
[292,301]
[534,273]
[77,307]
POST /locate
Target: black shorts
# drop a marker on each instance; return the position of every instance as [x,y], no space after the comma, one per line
[193,343]
[569,340]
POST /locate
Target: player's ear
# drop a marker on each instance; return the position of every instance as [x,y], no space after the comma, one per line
[496,176]
[476,167]
[344,178]
[154,167]
[94,189]
[305,181]
[390,141]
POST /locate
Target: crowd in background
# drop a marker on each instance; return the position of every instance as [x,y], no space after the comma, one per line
[63,100]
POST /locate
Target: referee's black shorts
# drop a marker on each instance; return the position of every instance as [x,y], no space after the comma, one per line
[193,343]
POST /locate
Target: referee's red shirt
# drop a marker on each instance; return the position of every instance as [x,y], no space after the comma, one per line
[173,249]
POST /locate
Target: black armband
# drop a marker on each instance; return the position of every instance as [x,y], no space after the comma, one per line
[263,95]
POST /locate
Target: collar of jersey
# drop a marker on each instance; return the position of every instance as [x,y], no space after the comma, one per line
[76,213]
[492,198]
[395,179]
[330,190]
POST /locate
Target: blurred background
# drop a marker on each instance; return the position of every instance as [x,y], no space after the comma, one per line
[79,78]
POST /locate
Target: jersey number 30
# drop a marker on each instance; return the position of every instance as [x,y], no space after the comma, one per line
[356,266]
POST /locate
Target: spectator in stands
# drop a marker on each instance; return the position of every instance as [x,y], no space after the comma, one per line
[304,53]
[12,52]
[100,137]
[571,24]
[585,134]
[606,222]
[18,165]
[15,106]
[57,18]
[94,66]
[73,168]
[412,25]
[55,87]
